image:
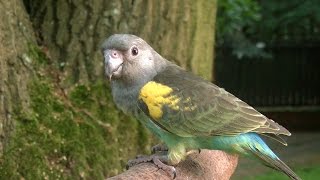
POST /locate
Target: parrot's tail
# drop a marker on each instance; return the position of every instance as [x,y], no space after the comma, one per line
[260,149]
[275,163]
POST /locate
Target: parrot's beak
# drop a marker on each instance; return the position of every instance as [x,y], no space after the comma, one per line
[113,62]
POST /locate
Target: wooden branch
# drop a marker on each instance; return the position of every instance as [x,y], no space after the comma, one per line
[208,164]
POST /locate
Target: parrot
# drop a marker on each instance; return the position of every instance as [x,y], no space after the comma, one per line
[186,112]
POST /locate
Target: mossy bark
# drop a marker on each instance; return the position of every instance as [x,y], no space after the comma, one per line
[15,34]
[56,115]
[182,31]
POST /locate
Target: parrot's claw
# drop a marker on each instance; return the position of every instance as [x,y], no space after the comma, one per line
[138,160]
[194,151]
[159,148]
[159,160]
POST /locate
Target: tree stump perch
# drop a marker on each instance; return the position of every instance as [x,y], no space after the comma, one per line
[208,164]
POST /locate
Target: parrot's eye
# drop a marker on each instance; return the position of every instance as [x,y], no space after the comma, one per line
[134,51]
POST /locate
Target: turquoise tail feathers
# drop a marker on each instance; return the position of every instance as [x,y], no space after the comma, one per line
[250,144]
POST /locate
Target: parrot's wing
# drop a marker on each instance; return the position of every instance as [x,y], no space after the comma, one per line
[187,105]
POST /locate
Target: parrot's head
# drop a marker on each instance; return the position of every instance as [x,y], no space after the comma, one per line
[128,58]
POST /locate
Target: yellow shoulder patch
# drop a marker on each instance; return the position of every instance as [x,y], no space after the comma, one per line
[155,95]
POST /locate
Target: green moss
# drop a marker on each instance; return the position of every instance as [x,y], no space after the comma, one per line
[81,135]
[37,54]
[81,96]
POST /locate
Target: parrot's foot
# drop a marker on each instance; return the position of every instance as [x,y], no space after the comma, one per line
[159,148]
[160,161]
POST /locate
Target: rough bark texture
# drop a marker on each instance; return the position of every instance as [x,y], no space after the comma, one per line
[15,34]
[57,119]
[182,31]
[206,165]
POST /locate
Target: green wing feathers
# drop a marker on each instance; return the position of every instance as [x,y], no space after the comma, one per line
[188,106]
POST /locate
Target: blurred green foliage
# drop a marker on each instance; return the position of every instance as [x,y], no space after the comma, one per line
[249,26]
[236,19]
[295,21]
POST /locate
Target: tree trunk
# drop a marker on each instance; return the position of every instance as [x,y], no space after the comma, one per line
[181,31]
[15,35]
[57,119]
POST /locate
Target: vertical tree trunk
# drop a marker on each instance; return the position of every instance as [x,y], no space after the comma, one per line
[15,34]
[182,31]
[57,119]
